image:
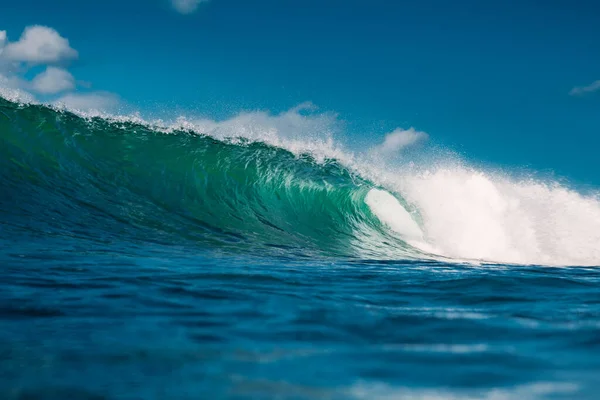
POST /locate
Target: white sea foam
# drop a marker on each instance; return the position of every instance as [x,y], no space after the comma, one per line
[14,94]
[473,214]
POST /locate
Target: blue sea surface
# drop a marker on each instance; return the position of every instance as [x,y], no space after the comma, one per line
[138,264]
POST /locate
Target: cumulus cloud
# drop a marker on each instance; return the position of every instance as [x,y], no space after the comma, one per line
[39,45]
[186,6]
[53,80]
[94,101]
[44,46]
[579,90]
[399,139]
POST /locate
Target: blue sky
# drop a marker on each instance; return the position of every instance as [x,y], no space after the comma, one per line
[509,83]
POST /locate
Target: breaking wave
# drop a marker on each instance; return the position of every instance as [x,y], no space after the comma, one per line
[273,184]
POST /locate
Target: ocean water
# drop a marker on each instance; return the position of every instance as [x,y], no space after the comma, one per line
[257,258]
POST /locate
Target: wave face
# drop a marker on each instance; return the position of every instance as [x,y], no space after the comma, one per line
[247,185]
[108,180]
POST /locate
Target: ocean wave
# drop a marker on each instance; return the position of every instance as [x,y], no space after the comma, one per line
[275,184]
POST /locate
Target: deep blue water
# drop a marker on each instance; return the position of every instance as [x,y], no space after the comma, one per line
[132,269]
[158,322]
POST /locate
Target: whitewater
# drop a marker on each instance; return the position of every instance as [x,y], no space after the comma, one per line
[150,258]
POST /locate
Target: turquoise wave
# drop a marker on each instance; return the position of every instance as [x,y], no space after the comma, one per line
[120,181]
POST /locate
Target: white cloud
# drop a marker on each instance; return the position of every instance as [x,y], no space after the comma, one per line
[94,101]
[186,6]
[400,139]
[53,80]
[579,90]
[5,65]
[39,45]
